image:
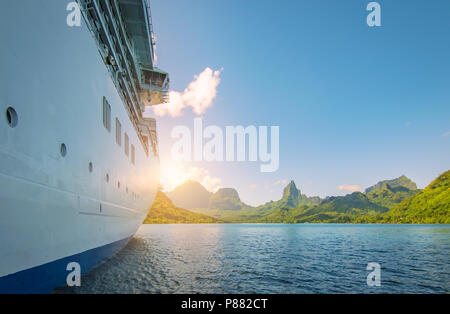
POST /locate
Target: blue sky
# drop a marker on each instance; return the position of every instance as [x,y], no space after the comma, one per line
[355,104]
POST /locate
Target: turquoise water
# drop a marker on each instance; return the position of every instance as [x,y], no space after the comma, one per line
[273,258]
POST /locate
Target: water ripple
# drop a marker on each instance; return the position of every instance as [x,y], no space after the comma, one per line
[275,259]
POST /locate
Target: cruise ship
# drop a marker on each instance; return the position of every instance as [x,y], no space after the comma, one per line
[79,165]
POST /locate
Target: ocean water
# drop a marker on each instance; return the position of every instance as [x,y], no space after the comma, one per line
[276,258]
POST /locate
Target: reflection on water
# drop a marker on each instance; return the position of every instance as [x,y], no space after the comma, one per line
[257,258]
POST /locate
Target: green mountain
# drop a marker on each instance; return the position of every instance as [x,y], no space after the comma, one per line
[355,203]
[337,209]
[283,215]
[431,205]
[400,182]
[226,199]
[389,201]
[391,192]
[189,195]
[229,199]
[377,200]
[342,209]
[291,195]
[292,198]
[164,211]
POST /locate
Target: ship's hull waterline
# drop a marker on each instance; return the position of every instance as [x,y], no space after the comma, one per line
[68,191]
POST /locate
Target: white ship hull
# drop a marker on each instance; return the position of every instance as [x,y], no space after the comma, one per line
[53,210]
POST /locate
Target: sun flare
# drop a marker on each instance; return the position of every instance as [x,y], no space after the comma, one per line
[172,175]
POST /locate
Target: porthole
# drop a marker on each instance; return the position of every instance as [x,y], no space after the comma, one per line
[63,150]
[107,177]
[11,117]
[91,167]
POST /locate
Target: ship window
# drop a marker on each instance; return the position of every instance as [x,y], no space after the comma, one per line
[91,167]
[126,144]
[106,114]
[118,132]
[63,150]
[107,177]
[118,185]
[11,117]
[132,154]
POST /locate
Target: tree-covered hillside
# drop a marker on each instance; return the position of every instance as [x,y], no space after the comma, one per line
[164,211]
[226,199]
[390,201]
[340,209]
[391,192]
[432,205]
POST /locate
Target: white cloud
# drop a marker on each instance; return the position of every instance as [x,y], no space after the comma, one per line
[350,188]
[199,95]
[173,108]
[446,134]
[280,182]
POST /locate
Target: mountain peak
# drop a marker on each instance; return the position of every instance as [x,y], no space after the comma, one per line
[291,191]
[291,195]
[228,192]
[191,194]
[226,199]
[190,183]
[402,182]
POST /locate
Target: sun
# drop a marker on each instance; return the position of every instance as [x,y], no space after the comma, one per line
[171,175]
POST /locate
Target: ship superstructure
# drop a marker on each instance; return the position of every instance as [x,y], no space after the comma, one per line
[79,164]
[123,31]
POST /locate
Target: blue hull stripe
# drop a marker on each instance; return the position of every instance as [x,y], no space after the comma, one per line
[45,278]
